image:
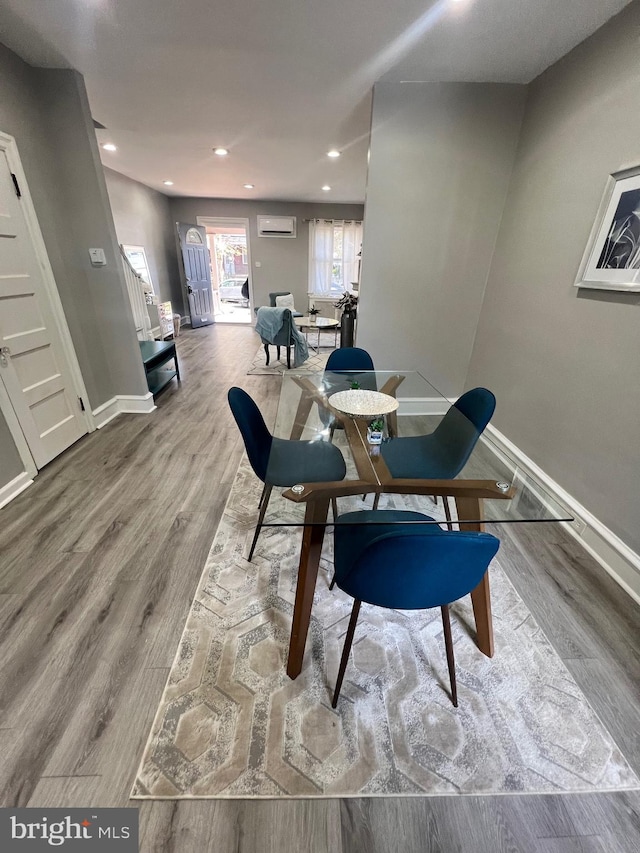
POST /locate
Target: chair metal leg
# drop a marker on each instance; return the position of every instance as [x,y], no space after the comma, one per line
[348,640]
[334,509]
[278,352]
[332,429]
[448,642]
[265,502]
[447,512]
[266,349]
[376,500]
[289,358]
[264,492]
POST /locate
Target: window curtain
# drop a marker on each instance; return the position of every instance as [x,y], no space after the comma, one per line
[334,255]
[351,245]
[320,257]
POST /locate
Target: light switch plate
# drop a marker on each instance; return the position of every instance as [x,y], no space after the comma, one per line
[97,257]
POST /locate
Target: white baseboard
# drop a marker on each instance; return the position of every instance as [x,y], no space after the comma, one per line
[422,405]
[140,404]
[105,413]
[137,404]
[13,488]
[615,557]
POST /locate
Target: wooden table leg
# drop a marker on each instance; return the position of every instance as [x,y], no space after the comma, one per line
[472,508]
[302,416]
[392,424]
[312,538]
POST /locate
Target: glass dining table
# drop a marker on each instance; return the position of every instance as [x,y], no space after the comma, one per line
[491,488]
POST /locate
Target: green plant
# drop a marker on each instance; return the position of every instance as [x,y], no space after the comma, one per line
[314,311]
[355,386]
[377,425]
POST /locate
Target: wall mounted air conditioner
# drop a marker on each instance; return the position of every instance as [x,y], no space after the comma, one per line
[276,226]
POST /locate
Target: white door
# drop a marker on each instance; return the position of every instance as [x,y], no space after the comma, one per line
[34,368]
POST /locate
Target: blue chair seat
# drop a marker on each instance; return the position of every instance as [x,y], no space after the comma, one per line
[429,457]
[292,462]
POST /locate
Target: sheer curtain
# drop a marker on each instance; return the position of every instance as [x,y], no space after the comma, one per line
[351,245]
[334,247]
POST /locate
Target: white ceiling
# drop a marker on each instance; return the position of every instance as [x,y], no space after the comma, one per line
[278,82]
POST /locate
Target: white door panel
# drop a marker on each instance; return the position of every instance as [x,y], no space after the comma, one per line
[33,363]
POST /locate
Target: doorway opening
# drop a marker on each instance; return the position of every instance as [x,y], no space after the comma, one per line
[228,244]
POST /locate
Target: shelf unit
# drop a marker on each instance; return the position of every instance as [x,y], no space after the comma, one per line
[155,354]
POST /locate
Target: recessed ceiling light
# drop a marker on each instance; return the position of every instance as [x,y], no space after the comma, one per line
[326,188]
[109,146]
[168,183]
[221,152]
[333,153]
[249,186]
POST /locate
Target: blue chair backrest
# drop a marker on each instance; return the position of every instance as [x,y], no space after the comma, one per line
[478,406]
[409,570]
[256,436]
[458,432]
[350,359]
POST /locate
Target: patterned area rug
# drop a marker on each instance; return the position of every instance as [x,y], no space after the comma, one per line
[316,362]
[232,724]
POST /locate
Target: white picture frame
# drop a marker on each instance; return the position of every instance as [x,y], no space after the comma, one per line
[611,260]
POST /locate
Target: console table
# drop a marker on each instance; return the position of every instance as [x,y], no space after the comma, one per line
[155,354]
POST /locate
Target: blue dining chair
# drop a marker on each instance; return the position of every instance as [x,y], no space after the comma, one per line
[349,359]
[345,366]
[406,567]
[278,461]
[442,454]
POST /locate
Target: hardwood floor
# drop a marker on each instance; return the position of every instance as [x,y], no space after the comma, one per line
[100,560]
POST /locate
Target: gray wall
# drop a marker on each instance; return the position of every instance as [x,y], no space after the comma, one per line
[10,462]
[564,363]
[47,113]
[77,216]
[440,160]
[142,218]
[283,262]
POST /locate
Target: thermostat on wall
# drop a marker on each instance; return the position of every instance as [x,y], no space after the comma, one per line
[97,257]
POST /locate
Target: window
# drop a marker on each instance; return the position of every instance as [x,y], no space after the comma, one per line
[138,260]
[334,256]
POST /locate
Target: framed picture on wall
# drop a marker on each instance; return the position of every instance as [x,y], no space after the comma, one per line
[612,258]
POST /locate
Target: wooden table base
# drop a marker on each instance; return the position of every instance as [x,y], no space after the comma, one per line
[312,538]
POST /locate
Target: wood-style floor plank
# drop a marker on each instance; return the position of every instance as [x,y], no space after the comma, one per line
[100,560]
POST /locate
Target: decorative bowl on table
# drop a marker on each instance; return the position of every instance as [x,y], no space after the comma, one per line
[361,403]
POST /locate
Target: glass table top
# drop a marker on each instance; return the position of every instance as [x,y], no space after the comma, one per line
[305,412]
